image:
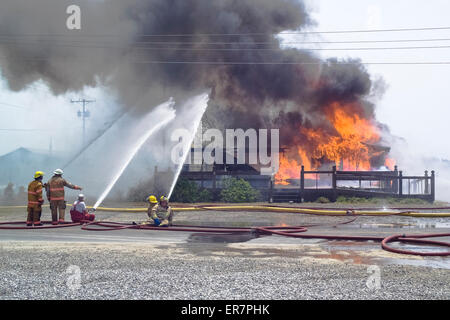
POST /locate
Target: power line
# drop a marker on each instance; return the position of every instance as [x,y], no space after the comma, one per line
[292,63]
[31,41]
[22,130]
[12,105]
[298,32]
[269,62]
[241,49]
[288,42]
[236,34]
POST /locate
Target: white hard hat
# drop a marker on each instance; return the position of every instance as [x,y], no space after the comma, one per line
[80,196]
[58,172]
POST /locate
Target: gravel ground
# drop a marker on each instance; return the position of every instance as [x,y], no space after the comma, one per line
[136,271]
[201,269]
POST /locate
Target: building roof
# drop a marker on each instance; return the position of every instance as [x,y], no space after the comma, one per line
[19,166]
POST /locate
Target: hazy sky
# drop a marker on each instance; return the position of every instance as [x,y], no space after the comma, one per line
[414,105]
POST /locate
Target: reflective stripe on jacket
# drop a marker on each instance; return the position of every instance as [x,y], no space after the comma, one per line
[35,193]
[55,188]
[160,212]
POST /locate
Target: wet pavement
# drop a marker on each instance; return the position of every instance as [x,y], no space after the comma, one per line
[255,245]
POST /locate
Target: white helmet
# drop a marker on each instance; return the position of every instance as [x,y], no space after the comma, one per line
[81,196]
[58,172]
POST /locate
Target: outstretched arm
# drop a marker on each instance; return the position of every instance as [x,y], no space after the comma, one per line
[72,186]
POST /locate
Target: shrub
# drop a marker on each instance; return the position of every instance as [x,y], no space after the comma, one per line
[322,200]
[238,191]
[189,191]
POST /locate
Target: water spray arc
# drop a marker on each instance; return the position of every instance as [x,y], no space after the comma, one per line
[203,104]
[163,111]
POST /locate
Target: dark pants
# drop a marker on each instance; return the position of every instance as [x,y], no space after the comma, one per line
[54,206]
[34,214]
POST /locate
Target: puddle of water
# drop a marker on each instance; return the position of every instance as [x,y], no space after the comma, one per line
[349,252]
[221,237]
[429,262]
[228,224]
[353,257]
[416,225]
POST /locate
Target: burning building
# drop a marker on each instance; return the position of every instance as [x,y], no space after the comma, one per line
[345,139]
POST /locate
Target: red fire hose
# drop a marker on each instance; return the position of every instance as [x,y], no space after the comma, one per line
[46,225]
[288,231]
[416,239]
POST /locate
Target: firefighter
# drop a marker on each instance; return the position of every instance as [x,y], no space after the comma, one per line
[35,200]
[79,212]
[162,213]
[152,203]
[55,194]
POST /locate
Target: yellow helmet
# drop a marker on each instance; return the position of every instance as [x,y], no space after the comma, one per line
[38,174]
[152,199]
[164,198]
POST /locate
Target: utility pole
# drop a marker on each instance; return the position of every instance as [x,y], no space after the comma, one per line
[83,114]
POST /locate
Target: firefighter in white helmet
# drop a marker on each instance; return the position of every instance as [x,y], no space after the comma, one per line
[79,212]
[55,194]
[162,213]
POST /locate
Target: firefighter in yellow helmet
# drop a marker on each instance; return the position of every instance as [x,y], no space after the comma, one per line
[152,203]
[35,200]
[55,194]
[162,213]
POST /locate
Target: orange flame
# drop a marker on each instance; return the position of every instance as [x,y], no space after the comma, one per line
[344,142]
[390,163]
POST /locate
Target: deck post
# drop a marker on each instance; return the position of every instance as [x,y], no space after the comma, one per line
[334,183]
[395,181]
[302,183]
[427,189]
[400,183]
[270,197]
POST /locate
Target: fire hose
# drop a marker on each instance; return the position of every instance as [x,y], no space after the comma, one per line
[407,211]
[288,231]
[317,211]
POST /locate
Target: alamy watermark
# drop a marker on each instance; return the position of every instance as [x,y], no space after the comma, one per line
[374,280]
[73,22]
[73,281]
[229,146]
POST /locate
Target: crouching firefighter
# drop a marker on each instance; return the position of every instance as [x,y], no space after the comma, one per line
[79,211]
[55,194]
[35,200]
[162,213]
[152,202]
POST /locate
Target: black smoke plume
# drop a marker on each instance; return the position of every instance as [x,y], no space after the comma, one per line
[137,48]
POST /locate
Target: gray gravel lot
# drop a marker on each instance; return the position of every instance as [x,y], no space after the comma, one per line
[136,271]
[43,264]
